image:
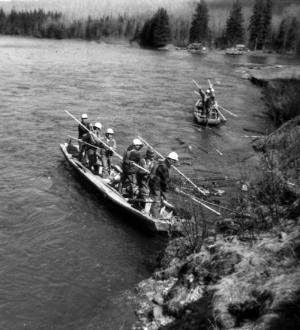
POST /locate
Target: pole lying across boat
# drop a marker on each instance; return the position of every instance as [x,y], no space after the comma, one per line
[202,190]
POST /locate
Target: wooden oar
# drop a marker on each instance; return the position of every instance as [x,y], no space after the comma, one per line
[198,201]
[203,191]
[231,113]
[220,113]
[195,82]
[119,156]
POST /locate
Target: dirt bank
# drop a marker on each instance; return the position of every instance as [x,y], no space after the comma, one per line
[262,75]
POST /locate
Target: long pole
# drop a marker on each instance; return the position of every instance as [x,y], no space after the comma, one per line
[203,191]
[198,201]
[107,146]
[231,113]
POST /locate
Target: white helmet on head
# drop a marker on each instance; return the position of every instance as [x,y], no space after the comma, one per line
[98,125]
[208,91]
[137,142]
[173,155]
[84,116]
[110,131]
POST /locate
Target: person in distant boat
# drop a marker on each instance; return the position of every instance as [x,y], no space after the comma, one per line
[148,163]
[132,156]
[84,123]
[159,183]
[211,99]
[108,152]
[208,100]
[94,149]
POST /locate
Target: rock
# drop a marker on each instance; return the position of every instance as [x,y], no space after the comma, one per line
[266,322]
[283,236]
[158,299]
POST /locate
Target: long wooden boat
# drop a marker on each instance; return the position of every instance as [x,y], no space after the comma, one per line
[107,191]
[212,119]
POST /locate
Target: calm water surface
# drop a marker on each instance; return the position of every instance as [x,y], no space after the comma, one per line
[67,261]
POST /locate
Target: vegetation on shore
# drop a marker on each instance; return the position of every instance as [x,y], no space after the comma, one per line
[213,24]
[244,272]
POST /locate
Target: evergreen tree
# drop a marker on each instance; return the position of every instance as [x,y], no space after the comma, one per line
[280,41]
[2,20]
[256,25]
[156,31]
[199,27]
[235,32]
[267,19]
[291,37]
[145,37]
[260,23]
[161,32]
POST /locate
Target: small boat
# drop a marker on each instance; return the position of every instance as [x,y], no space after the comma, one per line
[214,118]
[168,222]
[196,48]
[239,49]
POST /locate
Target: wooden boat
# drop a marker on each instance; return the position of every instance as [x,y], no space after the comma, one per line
[166,224]
[196,48]
[214,118]
[233,51]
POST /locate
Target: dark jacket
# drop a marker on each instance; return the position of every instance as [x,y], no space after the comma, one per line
[131,155]
[82,130]
[160,177]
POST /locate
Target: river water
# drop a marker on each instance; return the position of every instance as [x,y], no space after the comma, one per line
[67,261]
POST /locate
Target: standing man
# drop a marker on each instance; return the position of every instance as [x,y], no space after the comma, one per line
[85,123]
[159,183]
[94,154]
[131,156]
[147,163]
[108,152]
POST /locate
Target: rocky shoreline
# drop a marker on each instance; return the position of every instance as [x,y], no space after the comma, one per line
[246,274]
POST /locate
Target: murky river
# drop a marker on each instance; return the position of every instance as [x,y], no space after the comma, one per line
[67,261]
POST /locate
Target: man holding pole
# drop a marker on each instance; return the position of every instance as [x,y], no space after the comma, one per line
[159,183]
[132,157]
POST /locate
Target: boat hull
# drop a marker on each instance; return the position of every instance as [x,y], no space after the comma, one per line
[145,221]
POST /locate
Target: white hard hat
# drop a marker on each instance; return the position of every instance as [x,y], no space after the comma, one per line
[84,116]
[137,142]
[98,125]
[110,131]
[208,91]
[173,155]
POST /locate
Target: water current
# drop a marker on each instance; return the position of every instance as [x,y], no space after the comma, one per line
[67,260]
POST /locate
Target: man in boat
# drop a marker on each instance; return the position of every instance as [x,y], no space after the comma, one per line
[84,123]
[108,152]
[159,183]
[94,149]
[148,163]
[132,156]
[82,130]
[208,100]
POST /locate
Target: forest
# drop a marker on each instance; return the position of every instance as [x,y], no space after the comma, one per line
[265,24]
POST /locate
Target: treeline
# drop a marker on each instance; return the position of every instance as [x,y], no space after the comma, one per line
[54,25]
[257,31]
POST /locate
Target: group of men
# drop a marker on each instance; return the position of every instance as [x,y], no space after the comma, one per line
[208,99]
[142,176]
[95,150]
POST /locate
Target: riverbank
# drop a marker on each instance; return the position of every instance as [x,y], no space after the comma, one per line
[245,273]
